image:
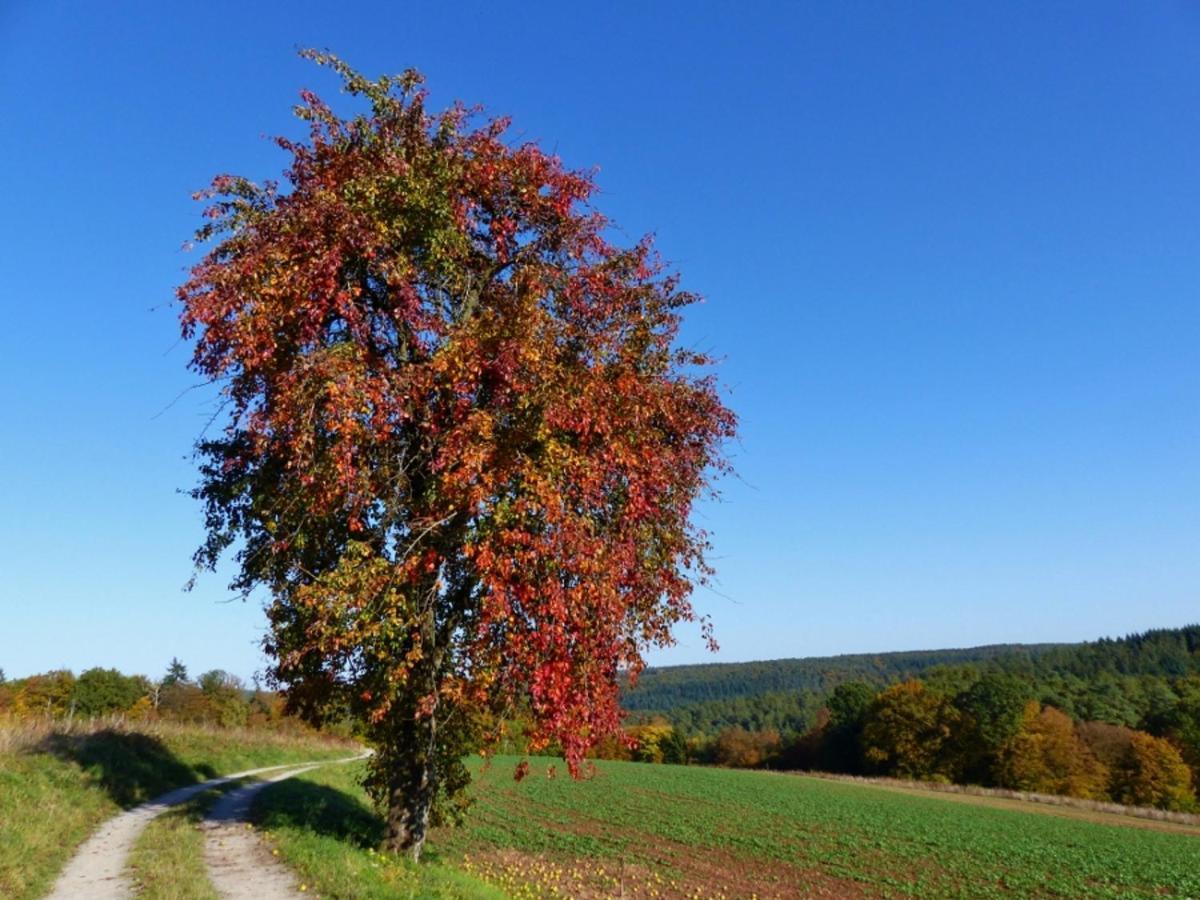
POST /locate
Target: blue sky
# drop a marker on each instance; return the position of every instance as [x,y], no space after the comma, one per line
[951,254]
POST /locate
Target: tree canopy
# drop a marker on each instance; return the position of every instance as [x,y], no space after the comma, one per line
[462,443]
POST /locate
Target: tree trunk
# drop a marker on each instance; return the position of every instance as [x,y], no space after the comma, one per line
[410,801]
[412,787]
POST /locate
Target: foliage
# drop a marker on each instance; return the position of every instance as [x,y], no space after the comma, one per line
[226,695]
[98,692]
[1153,773]
[651,741]
[48,694]
[993,711]
[1047,756]
[745,749]
[1108,743]
[176,673]
[1135,681]
[461,449]
[787,713]
[1180,723]
[665,689]
[909,732]
[216,698]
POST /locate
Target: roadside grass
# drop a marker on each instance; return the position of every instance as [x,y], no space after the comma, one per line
[167,863]
[46,810]
[59,781]
[321,824]
[665,831]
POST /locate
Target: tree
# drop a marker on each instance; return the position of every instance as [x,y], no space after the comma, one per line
[1181,723]
[226,694]
[908,732]
[841,739]
[1047,756]
[675,748]
[185,702]
[744,749]
[101,691]
[462,445]
[650,740]
[1153,773]
[49,693]
[993,709]
[176,674]
[1108,743]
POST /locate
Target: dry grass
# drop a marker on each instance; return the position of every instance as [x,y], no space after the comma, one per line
[971,790]
[19,735]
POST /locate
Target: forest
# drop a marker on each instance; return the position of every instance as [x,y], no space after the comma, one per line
[1113,719]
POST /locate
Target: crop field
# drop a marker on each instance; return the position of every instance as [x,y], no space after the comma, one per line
[639,830]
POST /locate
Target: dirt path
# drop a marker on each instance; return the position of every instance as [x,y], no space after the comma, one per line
[97,871]
[238,864]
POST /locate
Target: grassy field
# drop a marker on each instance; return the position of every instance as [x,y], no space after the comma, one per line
[662,831]
[57,785]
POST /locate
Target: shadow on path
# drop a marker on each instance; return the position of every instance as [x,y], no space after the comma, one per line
[132,768]
[323,810]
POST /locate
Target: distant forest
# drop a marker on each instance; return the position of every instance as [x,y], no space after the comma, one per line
[1111,720]
[665,688]
[1119,680]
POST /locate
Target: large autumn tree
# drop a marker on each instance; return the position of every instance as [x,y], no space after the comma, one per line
[462,444]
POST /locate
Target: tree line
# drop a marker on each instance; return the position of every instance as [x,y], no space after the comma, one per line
[1115,720]
[661,689]
[1072,669]
[215,698]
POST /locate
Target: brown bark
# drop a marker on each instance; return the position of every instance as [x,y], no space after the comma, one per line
[412,790]
[410,802]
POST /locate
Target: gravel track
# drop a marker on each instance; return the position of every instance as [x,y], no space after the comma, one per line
[97,871]
[239,865]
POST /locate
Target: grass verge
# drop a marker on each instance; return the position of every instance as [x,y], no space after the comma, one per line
[167,863]
[321,824]
[58,783]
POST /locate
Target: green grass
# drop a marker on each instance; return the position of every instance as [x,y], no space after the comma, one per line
[56,787]
[167,863]
[665,831]
[322,826]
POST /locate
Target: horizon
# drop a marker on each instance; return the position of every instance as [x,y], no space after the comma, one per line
[948,257]
[193,673]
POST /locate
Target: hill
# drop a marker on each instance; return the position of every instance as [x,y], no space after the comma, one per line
[664,688]
[1124,681]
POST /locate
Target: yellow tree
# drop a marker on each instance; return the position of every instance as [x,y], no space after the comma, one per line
[1047,756]
[1153,773]
[908,732]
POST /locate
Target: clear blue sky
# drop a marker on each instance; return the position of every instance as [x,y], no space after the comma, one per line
[951,254]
